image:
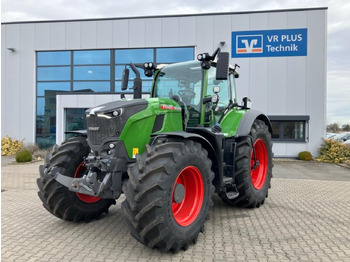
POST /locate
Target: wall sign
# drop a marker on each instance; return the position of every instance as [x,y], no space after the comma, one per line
[267,43]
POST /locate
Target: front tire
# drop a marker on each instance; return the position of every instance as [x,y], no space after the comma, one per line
[57,199]
[253,180]
[168,195]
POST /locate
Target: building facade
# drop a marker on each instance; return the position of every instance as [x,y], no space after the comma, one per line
[53,70]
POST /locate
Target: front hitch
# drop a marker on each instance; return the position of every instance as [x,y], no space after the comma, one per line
[88,184]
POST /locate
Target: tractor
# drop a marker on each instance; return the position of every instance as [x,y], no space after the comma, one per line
[168,154]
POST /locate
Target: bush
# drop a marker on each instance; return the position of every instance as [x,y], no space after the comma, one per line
[10,147]
[23,156]
[32,148]
[334,152]
[305,155]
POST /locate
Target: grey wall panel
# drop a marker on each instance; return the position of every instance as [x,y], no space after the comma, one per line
[12,83]
[85,101]
[153,32]
[297,19]
[259,67]
[88,35]
[120,33]
[73,35]
[137,33]
[205,33]
[316,75]
[3,78]
[58,36]
[42,36]
[187,31]
[277,73]
[279,149]
[293,149]
[296,86]
[104,34]
[27,83]
[222,32]
[241,23]
[100,99]
[259,21]
[277,82]
[296,71]
[170,31]
[277,21]
[258,83]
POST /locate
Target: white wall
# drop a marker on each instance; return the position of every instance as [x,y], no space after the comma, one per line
[277,86]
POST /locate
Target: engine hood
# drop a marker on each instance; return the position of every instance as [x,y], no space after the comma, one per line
[140,104]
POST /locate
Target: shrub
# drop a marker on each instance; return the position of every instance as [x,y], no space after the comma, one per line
[334,152]
[23,156]
[32,148]
[305,155]
[10,147]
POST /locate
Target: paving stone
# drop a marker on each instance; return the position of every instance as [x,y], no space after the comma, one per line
[302,220]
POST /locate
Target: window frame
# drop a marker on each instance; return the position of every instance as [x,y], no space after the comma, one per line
[291,119]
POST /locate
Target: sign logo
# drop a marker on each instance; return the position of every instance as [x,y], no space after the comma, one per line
[94,128]
[269,43]
[249,43]
[170,107]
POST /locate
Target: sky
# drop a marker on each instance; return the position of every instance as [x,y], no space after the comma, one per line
[338,57]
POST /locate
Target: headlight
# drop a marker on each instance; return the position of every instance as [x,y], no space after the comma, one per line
[114,113]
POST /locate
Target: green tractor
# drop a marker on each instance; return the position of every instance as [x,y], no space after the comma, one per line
[168,154]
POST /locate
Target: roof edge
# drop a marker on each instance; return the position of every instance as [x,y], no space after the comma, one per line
[166,16]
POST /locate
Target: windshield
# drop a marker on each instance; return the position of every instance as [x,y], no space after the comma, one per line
[183,80]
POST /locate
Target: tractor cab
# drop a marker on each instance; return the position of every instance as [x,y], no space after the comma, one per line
[201,95]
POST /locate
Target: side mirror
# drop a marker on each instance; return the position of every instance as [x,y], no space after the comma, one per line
[125,79]
[222,65]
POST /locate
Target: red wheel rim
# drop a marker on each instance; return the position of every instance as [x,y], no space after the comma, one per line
[258,172]
[85,198]
[188,209]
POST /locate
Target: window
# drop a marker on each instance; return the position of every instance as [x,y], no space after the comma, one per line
[289,128]
[165,55]
[75,120]
[89,71]
[53,75]
[224,94]
[92,71]
[174,55]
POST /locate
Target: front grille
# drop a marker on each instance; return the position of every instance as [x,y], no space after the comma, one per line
[100,128]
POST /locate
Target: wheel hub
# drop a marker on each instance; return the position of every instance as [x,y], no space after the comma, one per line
[187,196]
[179,193]
[258,164]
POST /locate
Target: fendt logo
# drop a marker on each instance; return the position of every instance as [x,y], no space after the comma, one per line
[249,44]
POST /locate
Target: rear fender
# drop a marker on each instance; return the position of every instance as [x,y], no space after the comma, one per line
[248,119]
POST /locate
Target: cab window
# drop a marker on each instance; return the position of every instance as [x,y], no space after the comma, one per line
[225,90]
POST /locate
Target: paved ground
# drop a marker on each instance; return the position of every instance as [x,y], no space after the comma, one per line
[305,218]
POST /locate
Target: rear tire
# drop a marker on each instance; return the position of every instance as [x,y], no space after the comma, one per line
[252,182]
[159,212]
[56,198]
